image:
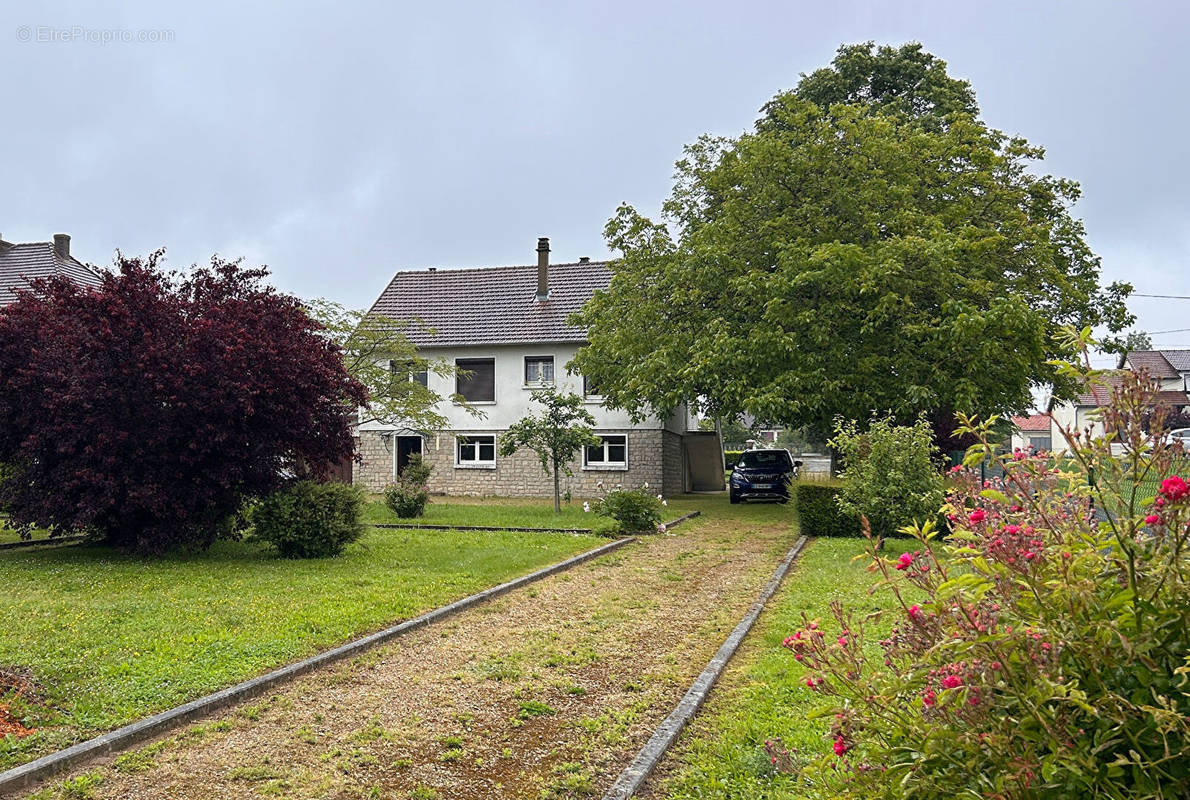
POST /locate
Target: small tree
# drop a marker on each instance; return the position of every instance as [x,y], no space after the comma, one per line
[556,435]
[889,474]
[378,354]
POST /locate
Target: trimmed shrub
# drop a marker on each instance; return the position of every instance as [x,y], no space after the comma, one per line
[819,511]
[730,457]
[890,473]
[406,499]
[634,510]
[417,471]
[308,519]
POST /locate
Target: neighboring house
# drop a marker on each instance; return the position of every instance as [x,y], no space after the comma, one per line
[23,263]
[1169,371]
[1033,432]
[507,330]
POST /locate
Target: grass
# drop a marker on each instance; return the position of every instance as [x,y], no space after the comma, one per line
[763,696]
[111,638]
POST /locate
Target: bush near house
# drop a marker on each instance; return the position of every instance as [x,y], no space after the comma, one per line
[310,519]
[634,510]
[407,498]
[730,457]
[819,512]
[890,474]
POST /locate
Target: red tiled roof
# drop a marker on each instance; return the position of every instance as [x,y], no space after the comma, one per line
[490,305]
[1033,422]
[22,263]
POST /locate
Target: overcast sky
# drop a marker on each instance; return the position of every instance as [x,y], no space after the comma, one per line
[339,142]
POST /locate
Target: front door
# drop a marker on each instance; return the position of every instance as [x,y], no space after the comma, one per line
[406,446]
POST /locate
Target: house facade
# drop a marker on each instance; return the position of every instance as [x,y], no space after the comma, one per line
[24,262]
[1169,372]
[506,331]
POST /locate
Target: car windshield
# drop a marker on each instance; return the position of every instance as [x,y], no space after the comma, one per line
[764,458]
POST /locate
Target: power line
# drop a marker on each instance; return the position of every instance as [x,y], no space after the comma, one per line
[1163,296]
[1173,330]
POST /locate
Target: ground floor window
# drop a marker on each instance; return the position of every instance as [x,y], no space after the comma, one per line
[475,451]
[610,453]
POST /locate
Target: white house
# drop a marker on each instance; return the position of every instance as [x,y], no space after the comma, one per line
[1168,370]
[507,330]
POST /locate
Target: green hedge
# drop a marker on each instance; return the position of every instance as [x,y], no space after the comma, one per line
[730,457]
[819,511]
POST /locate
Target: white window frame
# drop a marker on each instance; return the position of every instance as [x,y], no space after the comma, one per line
[476,463]
[605,465]
[541,382]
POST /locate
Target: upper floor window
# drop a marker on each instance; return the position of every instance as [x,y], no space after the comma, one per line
[407,370]
[476,380]
[539,369]
[590,389]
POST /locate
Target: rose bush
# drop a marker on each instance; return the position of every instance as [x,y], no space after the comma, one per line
[1040,650]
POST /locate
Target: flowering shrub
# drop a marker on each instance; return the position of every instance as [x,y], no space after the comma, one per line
[890,475]
[309,519]
[1039,651]
[634,510]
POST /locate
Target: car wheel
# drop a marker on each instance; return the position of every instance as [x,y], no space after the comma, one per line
[735,498]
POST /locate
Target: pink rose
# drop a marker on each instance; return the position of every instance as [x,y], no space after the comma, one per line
[951,681]
[915,612]
[1152,519]
[1174,487]
[976,516]
[841,746]
[904,561]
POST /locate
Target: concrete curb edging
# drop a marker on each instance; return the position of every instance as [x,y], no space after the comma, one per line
[122,738]
[43,542]
[650,755]
[397,526]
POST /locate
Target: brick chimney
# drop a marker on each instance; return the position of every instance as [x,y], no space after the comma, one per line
[62,245]
[543,269]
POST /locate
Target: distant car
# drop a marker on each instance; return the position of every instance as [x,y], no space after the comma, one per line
[1180,435]
[762,475]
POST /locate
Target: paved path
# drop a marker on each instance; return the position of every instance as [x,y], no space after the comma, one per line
[546,692]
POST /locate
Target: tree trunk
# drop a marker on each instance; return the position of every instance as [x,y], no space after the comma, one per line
[557,496]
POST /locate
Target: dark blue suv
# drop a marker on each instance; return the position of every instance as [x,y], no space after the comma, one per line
[763,475]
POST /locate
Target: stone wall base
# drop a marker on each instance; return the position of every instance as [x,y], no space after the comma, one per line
[654,456]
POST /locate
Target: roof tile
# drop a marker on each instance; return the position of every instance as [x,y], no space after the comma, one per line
[490,305]
[22,263]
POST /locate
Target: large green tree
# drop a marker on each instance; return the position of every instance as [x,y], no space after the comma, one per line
[870,245]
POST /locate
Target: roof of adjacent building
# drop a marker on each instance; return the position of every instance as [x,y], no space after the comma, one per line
[22,263]
[1153,362]
[1178,359]
[1100,395]
[1033,422]
[490,305]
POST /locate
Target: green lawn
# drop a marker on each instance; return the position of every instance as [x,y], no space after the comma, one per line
[112,638]
[762,696]
[504,512]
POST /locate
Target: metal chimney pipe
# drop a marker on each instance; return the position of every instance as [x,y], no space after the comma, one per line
[543,268]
